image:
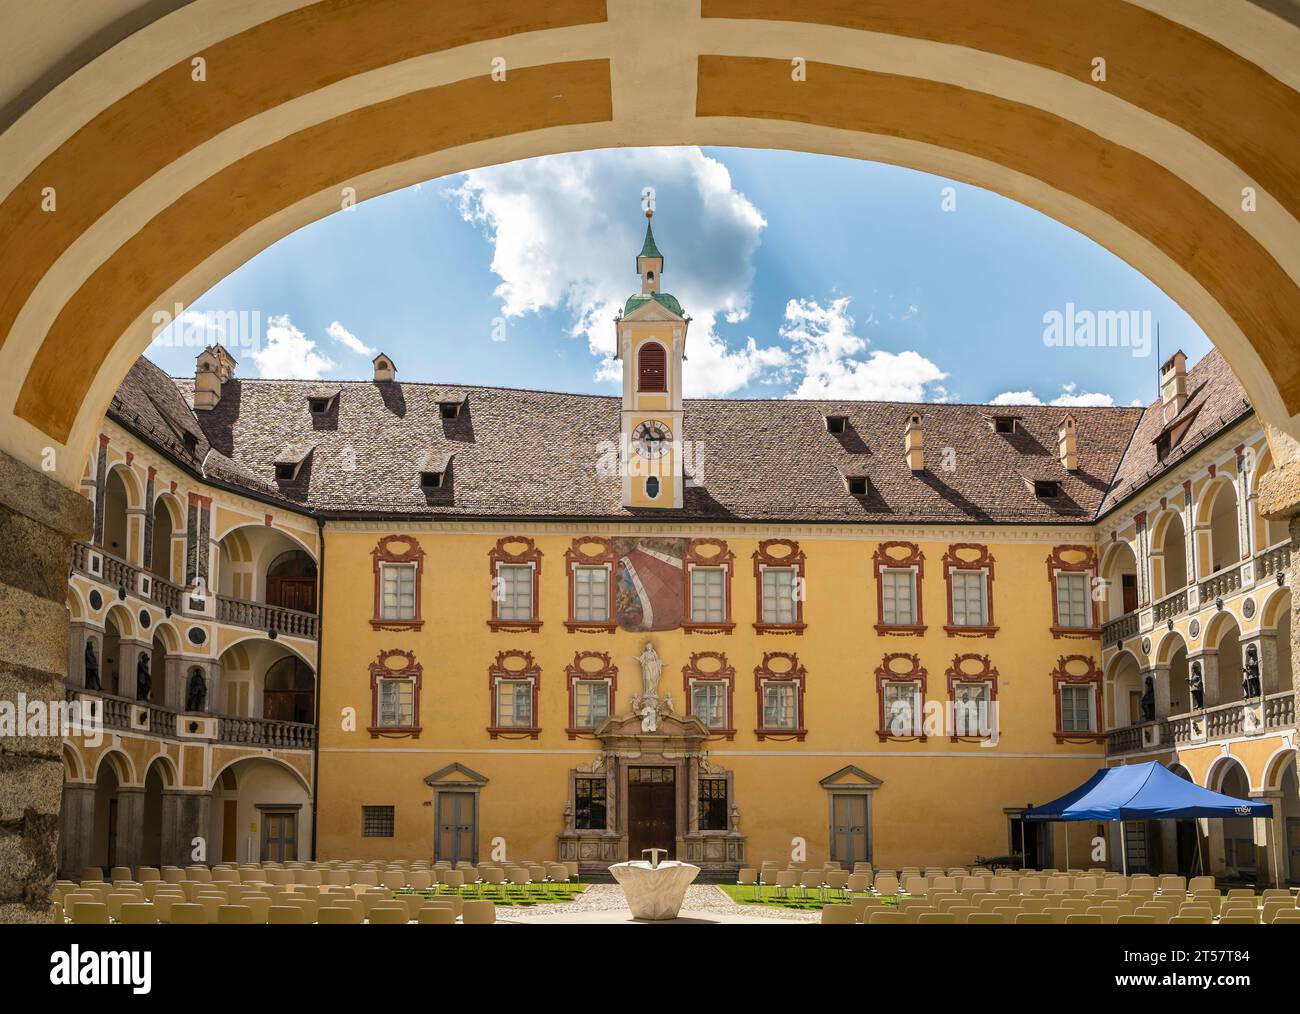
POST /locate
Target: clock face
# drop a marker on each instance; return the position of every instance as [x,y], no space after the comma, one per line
[652,439]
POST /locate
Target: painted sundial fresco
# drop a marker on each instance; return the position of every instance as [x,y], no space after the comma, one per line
[649,593]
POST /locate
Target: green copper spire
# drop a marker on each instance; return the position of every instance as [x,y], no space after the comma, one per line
[648,248]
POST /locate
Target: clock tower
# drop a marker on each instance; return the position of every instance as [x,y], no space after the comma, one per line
[651,333]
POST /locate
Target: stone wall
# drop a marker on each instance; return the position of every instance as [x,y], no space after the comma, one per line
[39,519]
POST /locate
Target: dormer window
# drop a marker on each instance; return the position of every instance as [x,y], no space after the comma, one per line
[858,485]
[318,406]
[837,423]
[1004,424]
[1163,444]
[434,471]
[449,409]
[1046,489]
[289,462]
[191,443]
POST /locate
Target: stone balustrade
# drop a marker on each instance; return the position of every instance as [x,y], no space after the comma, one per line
[266,617]
[263,732]
[1118,629]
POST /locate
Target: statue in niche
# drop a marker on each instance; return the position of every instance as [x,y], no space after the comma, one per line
[143,681]
[1149,699]
[1250,679]
[196,694]
[1196,686]
[92,667]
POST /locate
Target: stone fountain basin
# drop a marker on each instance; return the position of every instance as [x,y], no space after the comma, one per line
[654,892]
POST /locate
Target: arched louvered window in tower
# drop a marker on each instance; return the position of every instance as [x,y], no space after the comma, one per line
[652,368]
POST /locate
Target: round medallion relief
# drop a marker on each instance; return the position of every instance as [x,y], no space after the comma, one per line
[1146,646]
[96,599]
[1248,608]
[1194,628]
[197,635]
[146,621]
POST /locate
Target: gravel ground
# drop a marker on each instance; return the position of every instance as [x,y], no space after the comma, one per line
[609,898]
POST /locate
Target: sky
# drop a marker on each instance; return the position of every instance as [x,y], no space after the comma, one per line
[807,276]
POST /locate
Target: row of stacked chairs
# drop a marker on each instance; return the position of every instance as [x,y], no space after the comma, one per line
[297,893]
[199,903]
[1046,896]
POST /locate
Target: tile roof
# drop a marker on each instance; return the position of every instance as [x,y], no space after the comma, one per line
[539,454]
[1215,400]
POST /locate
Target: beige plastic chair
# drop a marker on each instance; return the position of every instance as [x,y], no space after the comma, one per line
[1238,920]
[389,915]
[886,885]
[986,919]
[138,913]
[235,915]
[451,901]
[479,913]
[438,915]
[838,915]
[888,917]
[188,914]
[937,919]
[90,913]
[286,915]
[1034,919]
[335,916]
[420,880]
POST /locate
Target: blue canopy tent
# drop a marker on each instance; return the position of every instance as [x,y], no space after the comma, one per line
[1143,792]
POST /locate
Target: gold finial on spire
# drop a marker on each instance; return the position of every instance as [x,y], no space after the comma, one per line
[648,201]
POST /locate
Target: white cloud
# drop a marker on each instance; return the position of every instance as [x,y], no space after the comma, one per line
[288,353]
[1017,398]
[350,341]
[554,221]
[823,349]
[1070,397]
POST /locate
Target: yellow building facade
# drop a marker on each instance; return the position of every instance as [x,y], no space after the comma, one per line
[471,623]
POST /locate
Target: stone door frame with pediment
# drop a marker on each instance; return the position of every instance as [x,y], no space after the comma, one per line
[466,780]
[678,743]
[850,780]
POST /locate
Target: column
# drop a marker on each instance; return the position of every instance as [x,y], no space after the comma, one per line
[130,826]
[1142,544]
[146,548]
[1189,545]
[1245,543]
[39,521]
[1265,645]
[186,816]
[129,653]
[1163,691]
[1271,857]
[76,829]
[1209,660]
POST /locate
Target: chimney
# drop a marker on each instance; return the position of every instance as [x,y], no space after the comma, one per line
[385,368]
[212,369]
[1173,386]
[1067,444]
[912,436]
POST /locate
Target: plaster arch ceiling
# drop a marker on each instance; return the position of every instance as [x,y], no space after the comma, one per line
[163,184]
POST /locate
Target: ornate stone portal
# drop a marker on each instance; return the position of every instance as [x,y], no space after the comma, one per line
[651,785]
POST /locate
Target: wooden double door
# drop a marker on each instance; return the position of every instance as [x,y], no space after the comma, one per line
[651,811]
